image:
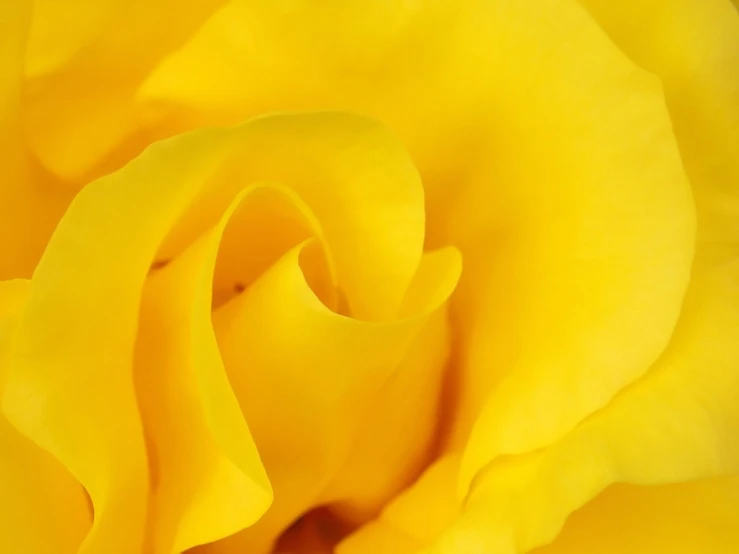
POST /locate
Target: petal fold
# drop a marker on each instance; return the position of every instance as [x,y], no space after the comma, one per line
[44,509]
[414,518]
[190,412]
[82,75]
[308,380]
[30,203]
[683,518]
[70,387]
[577,263]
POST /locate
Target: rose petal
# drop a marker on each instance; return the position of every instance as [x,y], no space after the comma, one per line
[272,220]
[585,217]
[281,345]
[678,423]
[79,101]
[358,181]
[693,46]
[408,64]
[61,29]
[44,509]
[394,440]
[30,206]
[681,421]
[684,518]
[70,387]
[189,410]
[398,431]
[413,519]
[577,231]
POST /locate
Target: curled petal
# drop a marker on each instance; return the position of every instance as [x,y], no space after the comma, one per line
[281,344]
[358,181]
[70,387]
[413,65]
[399,430]
[189,410]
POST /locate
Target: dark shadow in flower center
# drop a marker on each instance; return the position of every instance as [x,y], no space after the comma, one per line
[316,532]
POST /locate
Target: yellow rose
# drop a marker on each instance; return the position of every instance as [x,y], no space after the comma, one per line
[442,277]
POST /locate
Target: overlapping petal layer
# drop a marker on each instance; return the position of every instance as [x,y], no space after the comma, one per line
[415,518]
[683,518]
[577,263]
[85,61]
[307,380]
[554,169]
[591,232]
[43,508]
[208,480]
[30,205]
[110,296]
[70,388]
[680,422]
[693,46]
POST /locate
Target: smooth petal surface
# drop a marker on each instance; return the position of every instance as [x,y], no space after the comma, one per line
[684,518]
[695,53]
[44,509]
[577,263]
[30,205]
[83,71]
[60,30]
